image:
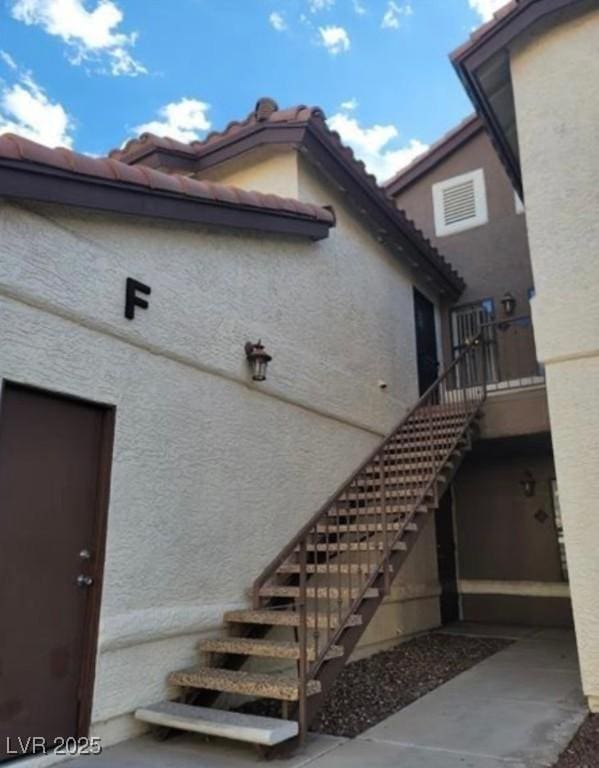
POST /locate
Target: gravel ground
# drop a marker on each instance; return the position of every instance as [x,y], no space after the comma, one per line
[583,750]
[369,690]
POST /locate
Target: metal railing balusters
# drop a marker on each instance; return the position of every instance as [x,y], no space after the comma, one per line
[396,479]
[303,640]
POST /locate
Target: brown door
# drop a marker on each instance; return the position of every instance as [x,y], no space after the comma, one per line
[54,475]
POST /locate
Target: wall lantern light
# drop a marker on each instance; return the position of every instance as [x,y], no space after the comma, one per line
[258,359]
[508,303]
[528,484]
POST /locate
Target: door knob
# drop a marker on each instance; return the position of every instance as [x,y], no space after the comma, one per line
[84,581]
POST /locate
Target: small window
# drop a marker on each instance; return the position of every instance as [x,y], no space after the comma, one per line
[519,205]
[460,203]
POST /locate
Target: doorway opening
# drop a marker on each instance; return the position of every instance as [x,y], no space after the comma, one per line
[55,460]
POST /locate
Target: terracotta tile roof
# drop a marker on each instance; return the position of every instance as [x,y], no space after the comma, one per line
[265,111]
[293,125]
[446,144]
[13,147]
[481,31]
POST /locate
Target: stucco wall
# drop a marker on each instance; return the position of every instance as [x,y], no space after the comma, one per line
[492,257]
[555,76]
[212,473]
[262,170]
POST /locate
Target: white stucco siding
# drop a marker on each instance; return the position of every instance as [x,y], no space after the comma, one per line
[386,307]
[212,474]
[555,77]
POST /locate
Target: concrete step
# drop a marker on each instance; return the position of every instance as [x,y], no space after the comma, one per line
[245,646]
[288,619]
[244,683]
[218,722]
[325,593]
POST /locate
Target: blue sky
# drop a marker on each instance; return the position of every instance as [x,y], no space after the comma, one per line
[91,73]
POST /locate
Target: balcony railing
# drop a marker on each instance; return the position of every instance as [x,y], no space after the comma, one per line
[510,355]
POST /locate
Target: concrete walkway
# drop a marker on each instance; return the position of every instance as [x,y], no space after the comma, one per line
[517,709]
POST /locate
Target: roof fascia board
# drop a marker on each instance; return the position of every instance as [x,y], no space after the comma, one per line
[254,136]
[434,157]
[468,59]
[318,146]
[22,180]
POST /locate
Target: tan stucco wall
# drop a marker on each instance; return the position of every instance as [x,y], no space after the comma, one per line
[555,78]
[261,171]
[206,460]
[413,605]
[510,414]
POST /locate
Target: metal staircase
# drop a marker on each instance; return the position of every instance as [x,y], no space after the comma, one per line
[327,583]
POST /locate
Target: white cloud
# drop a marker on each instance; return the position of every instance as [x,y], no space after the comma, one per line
[8,60]
[320,5]
[277,21]
[372,145]
[182,120]
[335,39]
[25,109]
[350,104]
[392,17]
[486,8]
[359,7]
[91,35]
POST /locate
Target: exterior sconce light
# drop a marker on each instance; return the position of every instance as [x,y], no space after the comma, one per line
[508,302]
[528,484]
[258,360]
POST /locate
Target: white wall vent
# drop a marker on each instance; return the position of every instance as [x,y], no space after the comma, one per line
[460,203]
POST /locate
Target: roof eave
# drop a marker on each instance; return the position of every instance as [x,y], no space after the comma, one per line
[433,157]
[390,222]
[492,38]
[24,180]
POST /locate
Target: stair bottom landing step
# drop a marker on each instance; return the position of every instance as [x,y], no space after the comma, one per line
[218,722]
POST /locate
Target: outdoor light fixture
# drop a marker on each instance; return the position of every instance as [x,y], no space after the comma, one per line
[528,484]
[508,303]
[258,359]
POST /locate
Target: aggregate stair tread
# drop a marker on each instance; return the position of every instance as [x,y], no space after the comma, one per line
[413,460]
[395,468]
[426,430]
[413,443]
[420,417]
[325,593]
[218,722]
[271,649]
[376,509]
[288,618]
[332,527]
[396,493]
[330,568]
[392,483]
[245,683]
[356,546]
